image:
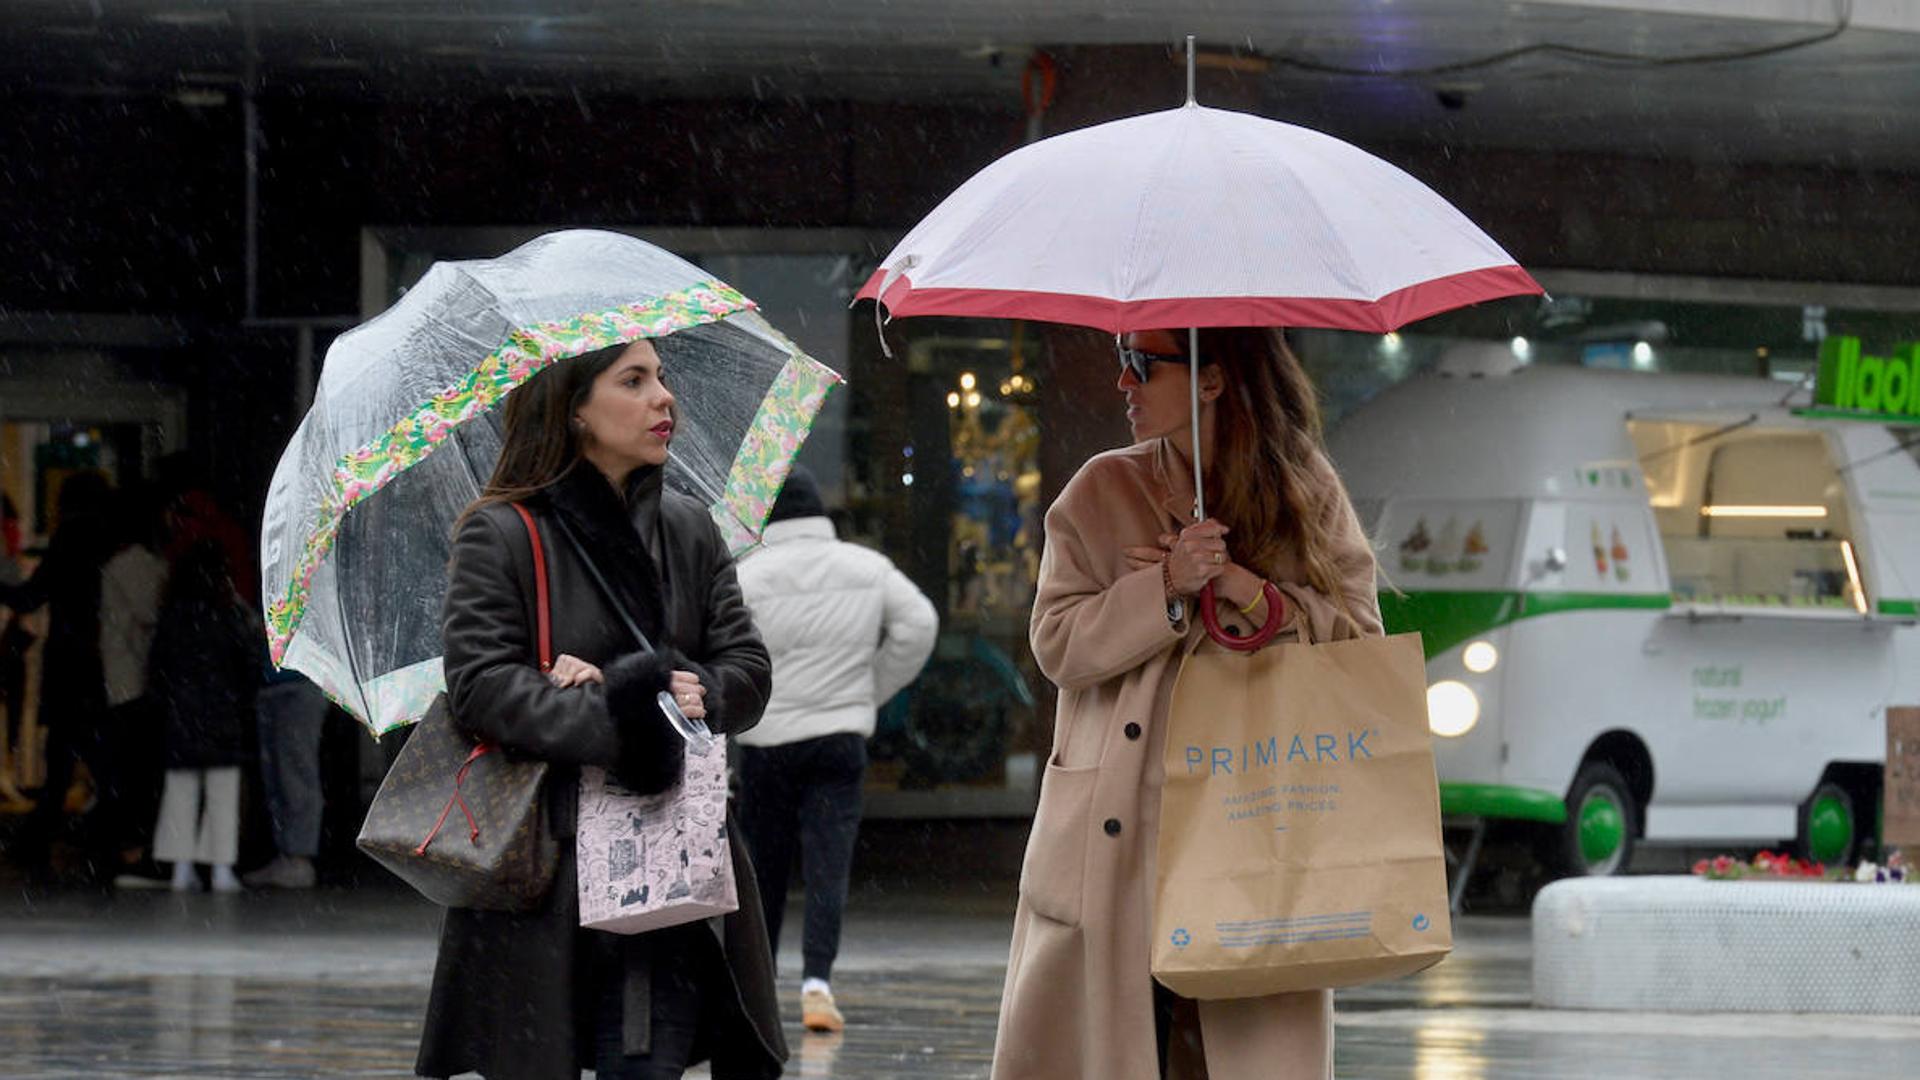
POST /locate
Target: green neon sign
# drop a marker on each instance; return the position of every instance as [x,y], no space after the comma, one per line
[1887,385]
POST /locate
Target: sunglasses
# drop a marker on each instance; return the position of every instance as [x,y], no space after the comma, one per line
[1138,362]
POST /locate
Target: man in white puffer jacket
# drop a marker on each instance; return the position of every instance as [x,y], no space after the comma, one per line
[847,630]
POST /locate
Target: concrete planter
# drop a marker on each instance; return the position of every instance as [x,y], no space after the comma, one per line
[1687,944]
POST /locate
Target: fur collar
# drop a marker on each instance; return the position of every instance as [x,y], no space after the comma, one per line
[604,524]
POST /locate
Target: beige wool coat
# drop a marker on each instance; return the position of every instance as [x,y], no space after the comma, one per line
[1078,1001]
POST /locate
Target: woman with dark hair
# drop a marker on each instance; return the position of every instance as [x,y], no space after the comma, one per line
[1122,567]
[532,995]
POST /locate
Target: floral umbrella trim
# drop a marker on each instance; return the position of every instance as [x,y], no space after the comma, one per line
[399,697]
[766,454]
[526,352]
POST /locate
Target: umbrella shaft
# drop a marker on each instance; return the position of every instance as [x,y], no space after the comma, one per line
[1193,400]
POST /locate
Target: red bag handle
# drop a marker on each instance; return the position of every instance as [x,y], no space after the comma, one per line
[1276,615]
[539,589]
[482,748]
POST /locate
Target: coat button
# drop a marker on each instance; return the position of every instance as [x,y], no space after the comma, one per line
[1112,826]
[1132,730]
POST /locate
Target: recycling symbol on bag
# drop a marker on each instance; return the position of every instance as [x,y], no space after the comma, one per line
[1182,939]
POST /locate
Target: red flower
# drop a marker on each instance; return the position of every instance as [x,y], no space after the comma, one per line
[1700,867]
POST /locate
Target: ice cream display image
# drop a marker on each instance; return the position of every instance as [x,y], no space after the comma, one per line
[1599,549]
[1473,549]
[1413,550]
[1619,553]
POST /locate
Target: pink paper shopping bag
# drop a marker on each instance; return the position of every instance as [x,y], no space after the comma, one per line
[652,861]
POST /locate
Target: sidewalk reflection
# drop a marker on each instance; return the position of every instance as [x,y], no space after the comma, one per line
[817,1054]
[192,1017]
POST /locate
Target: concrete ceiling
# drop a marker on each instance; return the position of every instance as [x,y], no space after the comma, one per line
[1852,100]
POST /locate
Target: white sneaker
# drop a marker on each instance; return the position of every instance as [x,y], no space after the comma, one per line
[224,881]
[819,1013]
[185,877]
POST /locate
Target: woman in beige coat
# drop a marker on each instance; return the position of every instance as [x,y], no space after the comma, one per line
[1122,567]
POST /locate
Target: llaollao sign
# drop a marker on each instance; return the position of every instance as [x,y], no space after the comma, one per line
[1887,385]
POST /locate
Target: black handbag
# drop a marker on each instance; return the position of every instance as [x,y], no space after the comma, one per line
[498,854]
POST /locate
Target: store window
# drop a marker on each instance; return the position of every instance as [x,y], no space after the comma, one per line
[945,460]
[1749,515]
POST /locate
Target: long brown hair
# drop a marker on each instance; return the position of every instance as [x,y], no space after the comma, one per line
[1266,482]
[539,443]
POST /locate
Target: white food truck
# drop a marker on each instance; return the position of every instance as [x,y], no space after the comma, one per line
[1657,609]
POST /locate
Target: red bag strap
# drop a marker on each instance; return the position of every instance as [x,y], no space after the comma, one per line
[539,589]
[483,748]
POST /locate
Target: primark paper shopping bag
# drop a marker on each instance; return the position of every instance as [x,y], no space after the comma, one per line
[1300,823]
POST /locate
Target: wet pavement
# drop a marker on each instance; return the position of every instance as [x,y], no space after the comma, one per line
[333,983]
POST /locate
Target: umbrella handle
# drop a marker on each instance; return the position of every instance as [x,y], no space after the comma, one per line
[1276,615]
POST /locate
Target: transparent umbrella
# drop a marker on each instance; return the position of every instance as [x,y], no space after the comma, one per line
[404,430]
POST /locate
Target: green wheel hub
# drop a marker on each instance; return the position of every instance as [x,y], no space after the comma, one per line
[1829,826]
[1602,826]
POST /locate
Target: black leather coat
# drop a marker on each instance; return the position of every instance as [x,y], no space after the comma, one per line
[512,994]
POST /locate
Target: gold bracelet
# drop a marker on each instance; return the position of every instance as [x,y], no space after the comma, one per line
[1258,596]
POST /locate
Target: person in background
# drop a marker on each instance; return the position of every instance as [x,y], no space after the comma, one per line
[130,587]
[10,540]
[205,673]
[72,686]
[847,631]
[15,640]
[194,514]
[292,716]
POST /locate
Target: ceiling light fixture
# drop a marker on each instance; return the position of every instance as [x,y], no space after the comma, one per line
[1735,511]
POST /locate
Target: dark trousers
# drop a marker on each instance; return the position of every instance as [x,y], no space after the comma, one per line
[292,720]
[71,739]
[13,687]
[1175,1017]
[690,1001]
[804,794]
[130,798]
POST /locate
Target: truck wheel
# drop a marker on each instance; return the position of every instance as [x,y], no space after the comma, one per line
[1829,828]
[1597,839]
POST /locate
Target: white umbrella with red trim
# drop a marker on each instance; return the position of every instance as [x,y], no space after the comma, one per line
[1195,217]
